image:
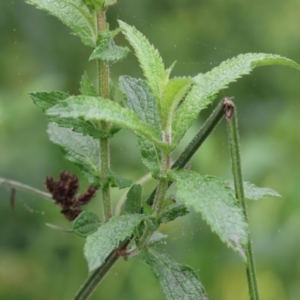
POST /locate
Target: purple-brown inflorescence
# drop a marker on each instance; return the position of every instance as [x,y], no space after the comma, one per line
[64,193]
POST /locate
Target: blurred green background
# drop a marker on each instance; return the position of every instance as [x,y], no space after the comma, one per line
[38,53]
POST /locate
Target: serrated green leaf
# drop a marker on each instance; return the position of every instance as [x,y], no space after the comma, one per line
[107,238]
[75,14]
[86,223]
[172,212]
[86,87]
[81,150]
[252,192]
[133,203]
[209,84]
[149,60]
[215,201]
[46,100]
[107,50]
[177,281]
[140,99]
[118,181]
[99,109]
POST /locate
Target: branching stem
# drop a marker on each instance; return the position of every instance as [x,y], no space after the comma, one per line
[234,147]
[95,278]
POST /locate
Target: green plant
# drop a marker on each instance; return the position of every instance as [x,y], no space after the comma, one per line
[159,110]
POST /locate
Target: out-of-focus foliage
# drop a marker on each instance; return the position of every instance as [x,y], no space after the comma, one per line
[38,53]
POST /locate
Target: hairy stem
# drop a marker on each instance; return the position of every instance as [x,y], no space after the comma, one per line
[103,91]
[90,285]
[94,279]
[207,128]
[234,147]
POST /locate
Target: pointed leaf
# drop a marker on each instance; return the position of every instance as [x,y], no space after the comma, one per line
[86,87]
[172,212]
[215,201]
[74,14]
[252,192]
[86,223]
[211,83]
[46,100]
[151,155]
[149,59]
[107,50]
[118,181]
[81,150]
[174,91]
[133,203]
[99,109]
[107,238]
[177,281]
[140,99]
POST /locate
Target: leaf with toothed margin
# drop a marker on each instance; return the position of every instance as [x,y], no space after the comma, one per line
[98,109]
[75,14]
[210,83]
[101,243]
[81,150]
[215,201]
[252,192]
[46,100]
[139,98]
[107,50]
[177,281]
[149,60]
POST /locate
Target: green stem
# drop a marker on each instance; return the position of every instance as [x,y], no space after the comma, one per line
[234,147]
[90,285]
[160,195]
[103,91]
[207,128]
[94,279]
